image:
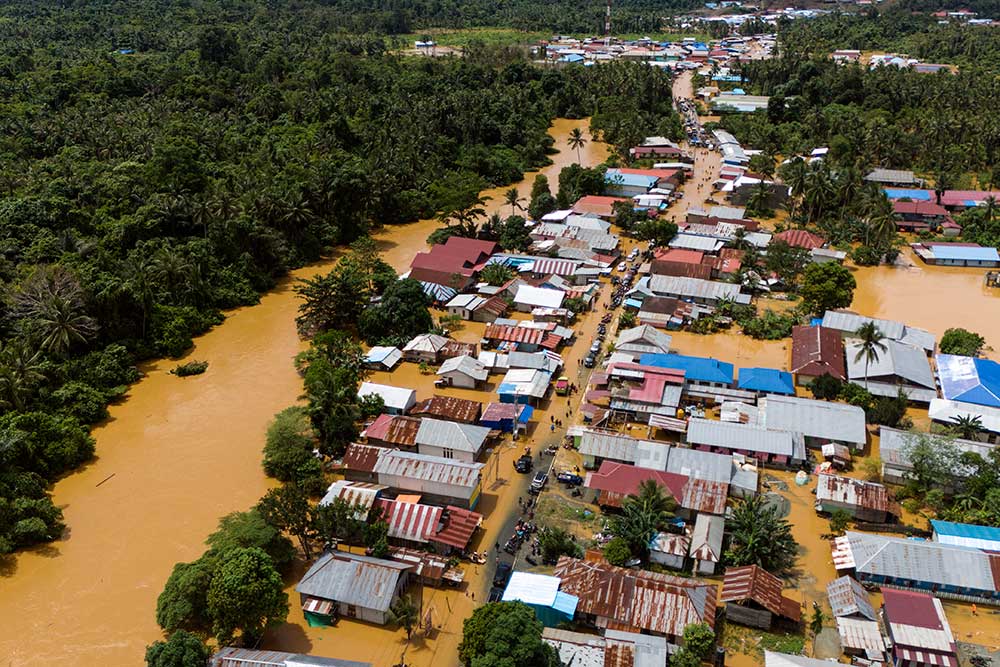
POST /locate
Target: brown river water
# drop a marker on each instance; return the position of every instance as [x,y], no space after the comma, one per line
[178,454]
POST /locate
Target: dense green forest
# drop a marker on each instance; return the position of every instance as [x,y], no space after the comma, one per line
[917,35]
[161,162]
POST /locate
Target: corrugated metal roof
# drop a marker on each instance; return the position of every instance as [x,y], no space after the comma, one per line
[616,480]
[754,583]
[451,435]
[229,656]
[576,648]
[816,419]
[966,535]
[849,598]
[398,398]
[511,334]
[396,430]
[969,380]
[693,288]
[818,350]
[860,634]
[739,436]
[907,362]
[697,464]
[467,366]
[854,492]
[920,561]
[894,446]
[410,521]
[605,444]
[362,458]
[649,601]
[706,538]
[917,621]
[702,495]
[429,468]
[944,411]
[525,382]
[360,495]
[457,527]
[672,544]
[425,343]
[449,407]
[643,338]
[848,323]
[352,579]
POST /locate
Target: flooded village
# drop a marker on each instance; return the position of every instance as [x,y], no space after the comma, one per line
[596,363]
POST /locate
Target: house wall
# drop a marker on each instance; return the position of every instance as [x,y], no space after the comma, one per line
[464,313]
[705,567]
[483,315]
[459,379]
[456,455]
[859,513]
[434,492]
[948,592]
[415,356]
[755,618]
[667,560]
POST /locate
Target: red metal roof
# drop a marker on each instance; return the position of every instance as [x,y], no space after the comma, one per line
[753,583]
[394,430]
[616,480]
[450,408]
[596,204]
[412,522]
[704,495]
[362,458]
[818,350]
[511,334]
[800,238]
[927,208]
[457,527]
[911,608]
[662,174]
[679,255]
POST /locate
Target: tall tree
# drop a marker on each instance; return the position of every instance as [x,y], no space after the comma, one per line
[246,596]
[576,141]
[759,536]
[872,345]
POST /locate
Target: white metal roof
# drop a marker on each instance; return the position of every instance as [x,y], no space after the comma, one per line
[466,365]
[530,588]
[694,287]
[907,362]
[426,343]
[398,398]
[451,435]
[539,296]
[740,436]
[816,419]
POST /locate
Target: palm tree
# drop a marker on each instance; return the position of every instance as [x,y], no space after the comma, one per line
[991,208]
[576,141]
[404,613]
[642,515]
[967,427]
[760,536]
[51,308]
[513,199]
[21,370]
[872,345]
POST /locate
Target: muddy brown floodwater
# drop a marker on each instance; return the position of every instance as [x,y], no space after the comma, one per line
[172,458]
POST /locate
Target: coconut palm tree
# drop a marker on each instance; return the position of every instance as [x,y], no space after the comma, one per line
[576,141]
[967,427]
[872,345]
[21,370]
[513,199]
[52,310]
[404,613]
[642,515]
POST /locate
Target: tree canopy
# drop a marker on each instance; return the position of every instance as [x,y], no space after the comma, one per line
[505,634]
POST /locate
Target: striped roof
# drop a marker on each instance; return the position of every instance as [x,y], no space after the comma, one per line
[412,522]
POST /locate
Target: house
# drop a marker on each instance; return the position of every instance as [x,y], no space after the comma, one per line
[766,381]
[545,360]
[524,385]
[669,549]
[658,391]
[383,358]
[617,598]
[439,480]
[426,348]
[753,597]
[616,481]
[454,263]
[848,598]
[696,369]
[817,351]
[228,656]
[861,637]
[728,103]
[895,446]
[681,262]
[966,535]
[957,254]
[896,178]
[721,468]
[826,255]
[361,496]
[541,592]
[528,298]
[642,339]
[708,292]
[819,421]
[919,216]
[800,238]
[505,416]
[463,371]
[969,379]
[706,543]
[393,431]
[918,630]
[780,448]
[396,400]
[359,462]
[450,440]
[900,367]
[445,529]
[448,407]
[865,501]
[959,573]
[597,206]
[598,445]
[848,323]
[352,586]
[614,649]
[477,308]
[947,413]
[620,184]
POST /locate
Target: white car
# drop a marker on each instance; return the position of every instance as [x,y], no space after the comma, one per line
[621,266]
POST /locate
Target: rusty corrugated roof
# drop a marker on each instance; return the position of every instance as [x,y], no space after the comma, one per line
[449,407]
[753,583]
[855,492]
[503,332]
[362,458]
[397,430]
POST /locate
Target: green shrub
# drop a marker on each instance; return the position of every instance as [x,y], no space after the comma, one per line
[190,368]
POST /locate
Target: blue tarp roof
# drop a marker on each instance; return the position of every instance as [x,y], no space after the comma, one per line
[726,77]
[904,193]
[969,380]
[700,369]
[566,604]
[767,380]
[633,303]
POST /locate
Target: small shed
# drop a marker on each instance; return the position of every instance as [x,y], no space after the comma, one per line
[397,400]
[464,372]
[425,347]
[383,357]
[669,550]
[753,597]
[504,416]
[706,542]
[541,593]
[865,501]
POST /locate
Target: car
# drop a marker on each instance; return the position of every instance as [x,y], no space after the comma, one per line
[502,575]
[523,464]
[496,594]
[589,361]
[595,347]
[621,266]
[569,479]
[538,482]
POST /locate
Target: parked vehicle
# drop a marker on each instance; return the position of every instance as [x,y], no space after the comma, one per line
[595,348]
[589,361]
[562,385]
[538,483]
[502,575]
[569,479]
[523,464]
[496,594]
[621,266]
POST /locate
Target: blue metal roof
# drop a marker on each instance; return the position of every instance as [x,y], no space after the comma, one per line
[969,379]
[965,253]
[966,530]
[901,193]
[615,177]
[699,369]
[566,604]
[767,380]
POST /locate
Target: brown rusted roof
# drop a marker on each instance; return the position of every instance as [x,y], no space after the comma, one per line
[755,584]
[448,407]
[637,599]
[511,334]
[855,492]
[395,430]
[362,458]
[704,495]
[818,350]
[456,348]
[619,654]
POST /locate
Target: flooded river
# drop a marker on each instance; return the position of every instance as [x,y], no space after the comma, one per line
[172,458]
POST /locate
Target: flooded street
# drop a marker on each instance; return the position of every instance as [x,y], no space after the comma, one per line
[174,457]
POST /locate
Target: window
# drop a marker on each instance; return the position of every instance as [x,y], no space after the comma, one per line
[448,453]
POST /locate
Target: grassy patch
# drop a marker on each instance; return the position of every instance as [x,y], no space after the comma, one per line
[556,511]
[737,639]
